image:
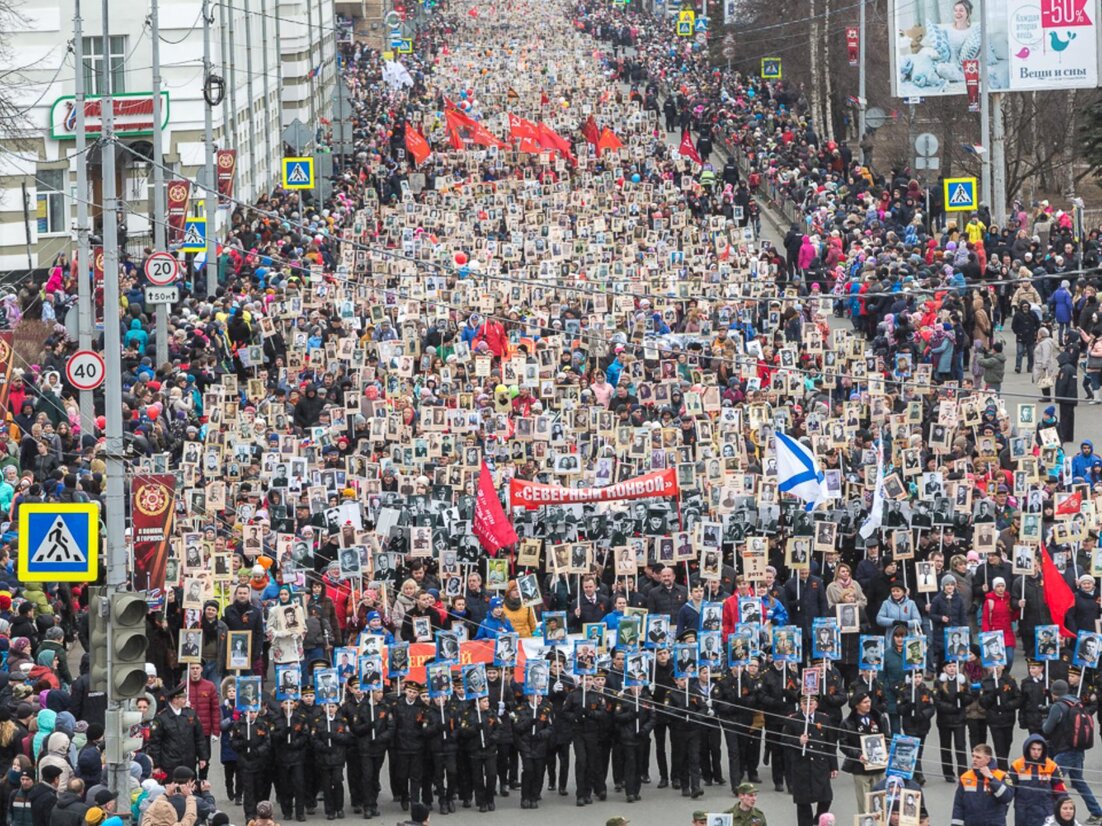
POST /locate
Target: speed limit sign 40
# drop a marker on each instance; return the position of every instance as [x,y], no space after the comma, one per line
[85,370]
[161,269]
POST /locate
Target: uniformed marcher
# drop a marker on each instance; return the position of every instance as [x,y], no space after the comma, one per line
[477,729]
[409,714]
[252,741]
[682,709]
[558,750]
[176,736]
[441,729]
[589,712]
[331,736]
[780,688]
[863,719]
[812,761]
[634,721]
[290,745]
[374,727]
[532,733]
[746,813]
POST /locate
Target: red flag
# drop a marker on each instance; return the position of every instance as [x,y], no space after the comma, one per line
[521,128]
[591,133]
[550,139]
[608,141]
[1058,593]
[416,145]
[490,524]
[459,122]
[1070,506]
[472,12]
[687,149]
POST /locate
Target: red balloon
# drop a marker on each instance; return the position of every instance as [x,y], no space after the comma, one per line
[461,258]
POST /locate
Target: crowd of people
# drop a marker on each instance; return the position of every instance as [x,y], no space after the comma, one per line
[561,293]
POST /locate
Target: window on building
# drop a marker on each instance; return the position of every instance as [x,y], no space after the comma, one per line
[93,64]
[50,208]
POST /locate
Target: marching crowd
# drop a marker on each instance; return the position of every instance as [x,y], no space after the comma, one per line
[580,311]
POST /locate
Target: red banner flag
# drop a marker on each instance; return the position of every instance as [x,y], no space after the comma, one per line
[522,129]
[1071,505]
[590,132]
[608,142]
[853,44]
[416,145]
[179,191]
[687,149]
[532,495]
[971,70]
[226,159]
[490,524]
[1058,593]
[550,139]
[153,500]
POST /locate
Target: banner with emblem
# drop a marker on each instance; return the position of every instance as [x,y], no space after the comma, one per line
[227,166]
[152,497]
[179,191]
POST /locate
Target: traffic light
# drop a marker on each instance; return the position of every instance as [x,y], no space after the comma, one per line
[97,639]
[128,645]
[124,734]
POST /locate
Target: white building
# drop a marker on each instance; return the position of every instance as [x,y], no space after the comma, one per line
[278,61]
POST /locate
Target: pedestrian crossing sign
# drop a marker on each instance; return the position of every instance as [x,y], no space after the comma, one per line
[405,46]
[298,173]
[771,68]
[686,22]
[58,542]
[959,194]
[195,235]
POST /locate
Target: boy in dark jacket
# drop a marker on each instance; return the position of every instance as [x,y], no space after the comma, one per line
[532,732]
[634,721]
[1035,699]
[374,729]
[952,697]
[1040,777]
[441,729]
[916,707]
[478,726]
[290,741]
[1000,697]
[251,741]
[331,737]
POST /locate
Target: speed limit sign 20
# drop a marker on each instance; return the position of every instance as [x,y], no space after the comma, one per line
[85,370]
[161,269]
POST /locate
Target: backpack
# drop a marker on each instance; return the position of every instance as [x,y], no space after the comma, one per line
[1080,727]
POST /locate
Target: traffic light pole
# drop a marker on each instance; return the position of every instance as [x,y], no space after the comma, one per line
[113,504]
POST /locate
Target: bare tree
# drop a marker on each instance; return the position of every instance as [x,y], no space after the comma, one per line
[13,119]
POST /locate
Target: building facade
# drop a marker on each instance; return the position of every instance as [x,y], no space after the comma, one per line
[278,62]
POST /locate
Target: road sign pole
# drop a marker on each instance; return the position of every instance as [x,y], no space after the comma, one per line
[985,108]
[210,202]
[998,162]
[113,503]
[861,79]
[84,273]
[159,243]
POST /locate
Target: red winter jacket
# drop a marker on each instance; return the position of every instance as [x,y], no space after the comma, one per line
[998,614]
[340,594]
[202,696]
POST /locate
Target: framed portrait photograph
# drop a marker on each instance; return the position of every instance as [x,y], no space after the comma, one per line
[191,645]
[848,616]
[992,649]
[288,681]
[958,641]
[1022,558]
[239,650]
[248,693]
[870,652]
[1087,647]
[1046,642]
[875,751]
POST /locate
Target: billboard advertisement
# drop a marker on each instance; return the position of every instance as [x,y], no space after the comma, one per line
[1032,45]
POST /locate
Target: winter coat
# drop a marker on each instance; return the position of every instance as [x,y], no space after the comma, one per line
[982,802]
[203,698]
[951,697]
[1044,359]
[1000,701]
[853,727]
[916,715]
[252,741]
[1062,305]
[944,606]
[177,740]
[408,734]
[69,810]
[532,728]
[807,254]
[891,612]
[57,754]
[634,718]
[1041,780]
[809,772]
[994,368]
[1083,613]
[1066,389]
[374,727]
[1035,702]
[161,812]
[999,614]
[331,737]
